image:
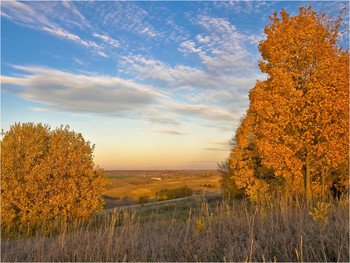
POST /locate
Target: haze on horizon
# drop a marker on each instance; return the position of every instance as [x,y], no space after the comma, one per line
[154,85]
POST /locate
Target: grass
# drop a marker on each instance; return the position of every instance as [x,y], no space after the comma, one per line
[135,184]
[196,231]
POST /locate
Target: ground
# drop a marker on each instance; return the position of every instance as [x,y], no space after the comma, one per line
[127,186]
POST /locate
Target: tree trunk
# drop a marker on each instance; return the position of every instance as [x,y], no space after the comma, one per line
[308,194]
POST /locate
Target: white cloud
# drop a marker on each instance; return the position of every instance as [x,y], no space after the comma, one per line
[43,16]
[174,32]
[79,61]
[65,34]
[23,14]
[167,132]
[215,149]
[111,41]
[70,5]
[202,39]
[102,54]
[217,89]
[214,87]
[3,14]
[82,93]
[160,120]
[221,47]
[149,31]
[178,76]
[62,91]
[129,17]
[204,112]
[189,46]
[241,6]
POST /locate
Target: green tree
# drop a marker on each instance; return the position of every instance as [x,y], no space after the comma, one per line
[46,175]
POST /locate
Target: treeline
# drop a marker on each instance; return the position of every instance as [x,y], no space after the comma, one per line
[294,138]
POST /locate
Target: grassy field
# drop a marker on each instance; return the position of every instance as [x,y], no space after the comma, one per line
[196,230]
[127,186]
[190,229]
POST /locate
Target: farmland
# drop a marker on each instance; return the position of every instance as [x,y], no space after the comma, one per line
[127,186]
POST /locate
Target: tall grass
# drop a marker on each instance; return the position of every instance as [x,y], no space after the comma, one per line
[219,231]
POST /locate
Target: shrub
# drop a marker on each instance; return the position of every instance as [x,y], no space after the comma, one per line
[209,185]
[143,200]
[320,212]
[174,193]
[46,175]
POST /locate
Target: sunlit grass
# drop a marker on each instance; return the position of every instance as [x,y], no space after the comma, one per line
[195,231]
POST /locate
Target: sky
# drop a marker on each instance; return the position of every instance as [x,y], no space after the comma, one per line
[154,85]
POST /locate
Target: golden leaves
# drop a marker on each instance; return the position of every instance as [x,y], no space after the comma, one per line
[302,109]
[47,174]
[303,106]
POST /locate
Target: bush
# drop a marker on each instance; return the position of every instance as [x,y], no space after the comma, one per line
[209,185]
[174,193]
[143,200]
[46,175]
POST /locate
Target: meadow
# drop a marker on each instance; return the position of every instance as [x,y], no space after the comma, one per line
[126,187]
[285,230]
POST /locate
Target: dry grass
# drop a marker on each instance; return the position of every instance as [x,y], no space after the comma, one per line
[238,231]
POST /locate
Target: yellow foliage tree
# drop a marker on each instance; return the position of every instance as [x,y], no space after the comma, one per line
[247,172]
[302,110]
[46,175]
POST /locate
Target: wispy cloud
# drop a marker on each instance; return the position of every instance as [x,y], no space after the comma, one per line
[129,17]
[213,90]
[221,47]
[70,6]
[110,96]
[59,32]
[79,61]
[242,6]
[182,76]
[101,53]
[160,120]
[175,32]
[111,41]
[65,91]
[168,132]
[205,112]
[43,16]
[215,149]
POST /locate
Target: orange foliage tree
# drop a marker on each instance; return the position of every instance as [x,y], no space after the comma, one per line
[247,171]
[295,136]
[302,110]
[47,174]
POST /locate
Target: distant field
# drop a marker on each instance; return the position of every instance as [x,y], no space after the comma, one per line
[127,186]
[118,177]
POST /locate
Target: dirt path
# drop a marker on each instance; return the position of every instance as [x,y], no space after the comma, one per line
[208,197]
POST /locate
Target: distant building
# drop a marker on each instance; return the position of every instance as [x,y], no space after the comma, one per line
[156,178]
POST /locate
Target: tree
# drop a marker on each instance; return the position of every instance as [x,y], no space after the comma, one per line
[246,170]
[46,175]
[229,186]
[302,110]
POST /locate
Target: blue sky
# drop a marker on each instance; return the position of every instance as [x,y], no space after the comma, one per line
[154,85]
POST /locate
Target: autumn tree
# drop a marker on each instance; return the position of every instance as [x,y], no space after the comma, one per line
[46,175]
[301,112]
[246,169]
